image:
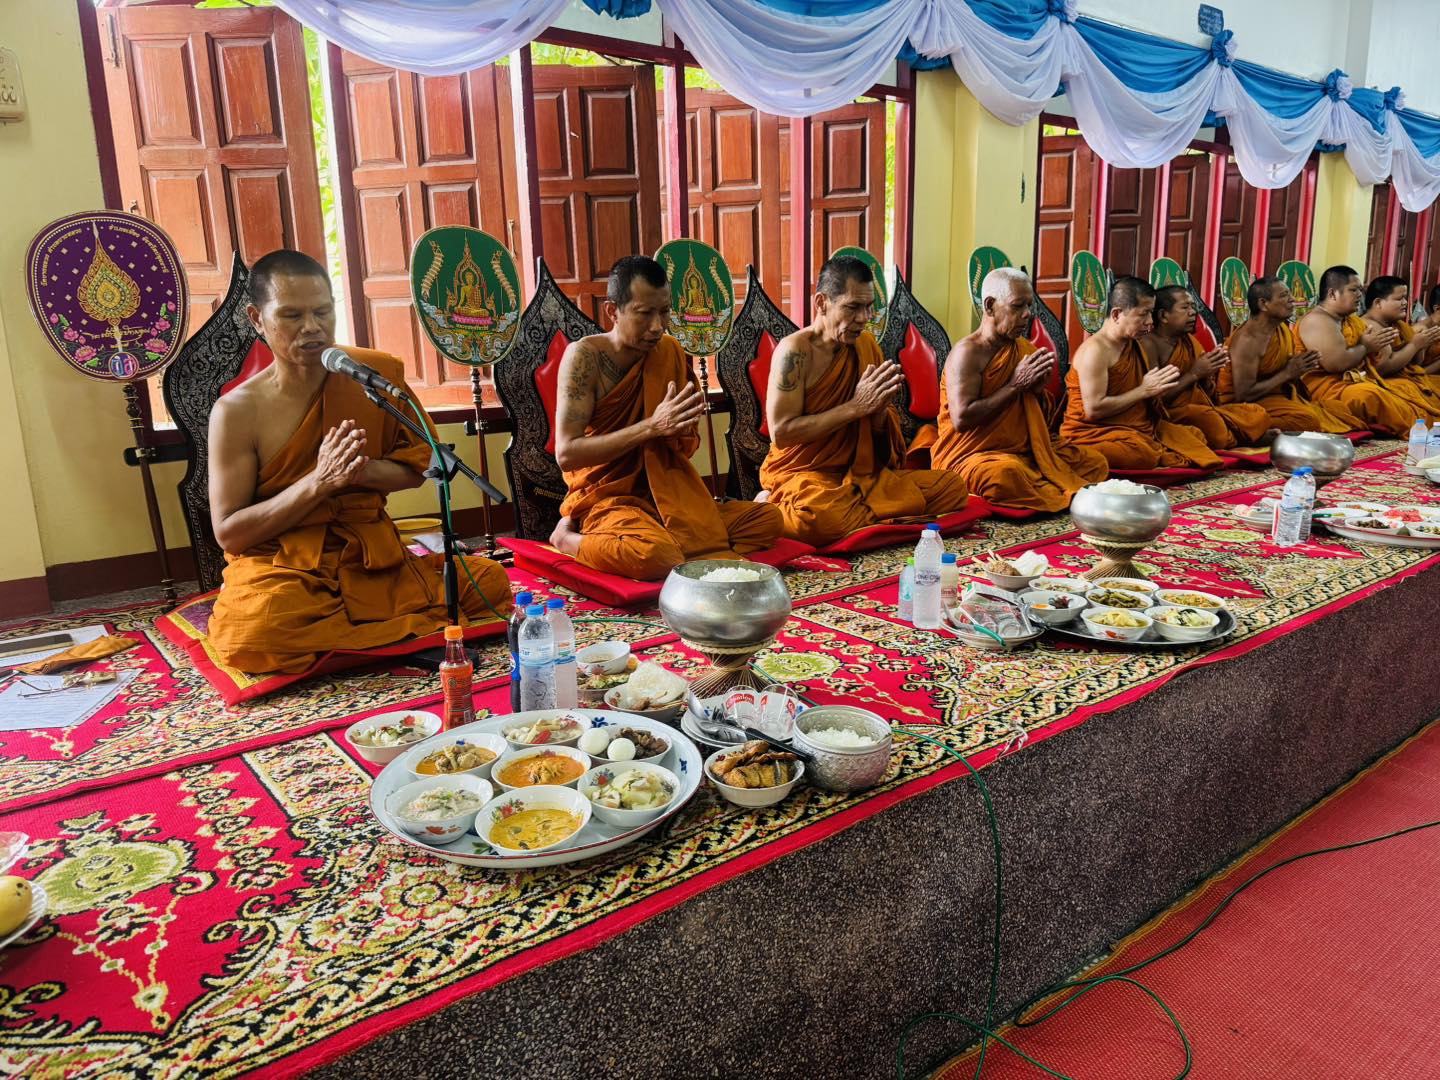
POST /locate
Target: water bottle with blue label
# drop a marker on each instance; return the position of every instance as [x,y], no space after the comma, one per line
[1292,516]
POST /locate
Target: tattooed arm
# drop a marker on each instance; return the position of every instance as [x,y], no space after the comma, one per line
[785,401]
[581,371]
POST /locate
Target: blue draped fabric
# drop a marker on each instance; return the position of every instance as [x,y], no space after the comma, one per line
[908,55]
[1424,130]
[1287,96]
[1141,61]
[1370,104]
[1018,18]
[619,9]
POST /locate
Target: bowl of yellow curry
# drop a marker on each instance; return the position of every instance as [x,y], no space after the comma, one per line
[1115,624]
[556,766]
[532,819]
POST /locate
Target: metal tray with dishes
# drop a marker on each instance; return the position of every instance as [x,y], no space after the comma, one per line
[1080,631]
[1400,526]
[597,837]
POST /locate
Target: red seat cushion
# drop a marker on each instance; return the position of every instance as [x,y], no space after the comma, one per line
[922,374]
[547,382]
[1204,335]
[885,535]
[759,371]
[1041,339]
[1160,477]
[256,360]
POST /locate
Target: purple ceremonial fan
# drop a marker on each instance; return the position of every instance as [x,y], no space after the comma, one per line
[109,291]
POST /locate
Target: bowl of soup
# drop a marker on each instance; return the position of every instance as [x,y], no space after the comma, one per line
[469,754]
[441,808]
[553,766]
[533,819]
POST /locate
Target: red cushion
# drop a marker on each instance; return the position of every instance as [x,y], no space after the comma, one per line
[877,536]
[759,371]
[256,360]
[1204,335]
[187,627]
[540,558]
[1159,477]
[922,374]
[1041,339]
[1233,459]
[547,382]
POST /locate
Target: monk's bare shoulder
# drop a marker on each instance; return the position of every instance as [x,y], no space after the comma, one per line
[1315,326]
[969,355]
[791,361]
[1094,353]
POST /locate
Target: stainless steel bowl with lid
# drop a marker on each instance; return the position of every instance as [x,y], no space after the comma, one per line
[837,769]
[1121,517]
[724,613]
[1328,455]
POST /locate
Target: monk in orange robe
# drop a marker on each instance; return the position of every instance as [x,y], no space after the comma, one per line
[300,465]
[626,426]
[993,408]
[1113,403]
[836,444]
[1267,365]
[1189,402]
[1345,346]
[1430,358]
[1398,366]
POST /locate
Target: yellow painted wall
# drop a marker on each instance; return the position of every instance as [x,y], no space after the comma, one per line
[1342,216]
[974,185]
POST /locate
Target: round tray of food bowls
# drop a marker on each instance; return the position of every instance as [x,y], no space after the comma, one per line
[1396,526]
[849,747]
[593,836]
[1155,630]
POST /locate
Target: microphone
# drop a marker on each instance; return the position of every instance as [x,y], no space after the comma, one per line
[338,361]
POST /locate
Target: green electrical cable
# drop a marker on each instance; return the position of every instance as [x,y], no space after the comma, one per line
[1085,986]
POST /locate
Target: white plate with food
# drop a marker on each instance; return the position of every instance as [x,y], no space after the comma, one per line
[1079,630]
[1397,534]
[596,837]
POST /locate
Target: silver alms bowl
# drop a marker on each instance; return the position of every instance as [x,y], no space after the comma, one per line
[1121,518]
[1328,455]
[726,613]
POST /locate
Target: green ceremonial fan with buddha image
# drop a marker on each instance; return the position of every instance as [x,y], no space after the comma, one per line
[466,289]
[1234,290]
[882,293]
[982,261]
[1089,285]
[1299,279]
[1167,272]
[702,295]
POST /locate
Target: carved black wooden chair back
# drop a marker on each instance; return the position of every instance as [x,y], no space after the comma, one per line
[527,381]
[743,367]
[193,382]
[915,340]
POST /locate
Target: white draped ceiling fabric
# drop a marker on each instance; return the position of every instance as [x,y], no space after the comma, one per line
[782,58]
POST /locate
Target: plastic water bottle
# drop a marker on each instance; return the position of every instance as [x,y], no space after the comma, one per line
[522,601]
[537,661]
[905,606]
[1292,516]
[1415,453]
[563,631]
[927,579]
[1432,444]
[457,674]
[949,580]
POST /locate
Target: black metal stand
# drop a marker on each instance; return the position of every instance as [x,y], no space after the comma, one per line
[444,464]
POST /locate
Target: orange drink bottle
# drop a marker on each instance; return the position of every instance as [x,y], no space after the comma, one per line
[456,674]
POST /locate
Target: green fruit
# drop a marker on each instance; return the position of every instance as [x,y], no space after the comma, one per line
[15,900]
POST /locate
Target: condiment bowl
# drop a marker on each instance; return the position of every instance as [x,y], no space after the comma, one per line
[752,797]
[445,829]
[844,768]
[491,741]
[1116,633]
[1051,615]
[603,658]
[1128,584]
[383,755]
[506,760]
[525,719]
[543,797]
[1096,604]
[1168,598]
[1183,633]
[668,713]
[1010,582]
[591,783]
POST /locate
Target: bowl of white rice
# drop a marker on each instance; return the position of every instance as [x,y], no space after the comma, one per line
[850,746]
[725,602]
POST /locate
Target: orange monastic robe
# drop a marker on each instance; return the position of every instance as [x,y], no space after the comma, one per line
[1291,408]
[341,578]
[1224,426]
[1012,460]
[844,481]
[1412,383]
[1140,437]
[1358,392]
[643,514]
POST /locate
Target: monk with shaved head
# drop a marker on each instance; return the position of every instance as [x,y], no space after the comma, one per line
[993,427]
[1115,406]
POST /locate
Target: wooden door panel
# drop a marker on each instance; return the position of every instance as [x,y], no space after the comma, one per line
[375,120]
[249,98]
[1189,192]
[847,161]
[385,242]
[260,208]
[451,204]
[608,139]
[179,203]
[552,135]
[1063,211]
[1130,221]
[558,221]
[445,134]
[164,91]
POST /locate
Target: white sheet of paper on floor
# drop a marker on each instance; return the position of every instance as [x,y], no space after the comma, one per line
[22,708]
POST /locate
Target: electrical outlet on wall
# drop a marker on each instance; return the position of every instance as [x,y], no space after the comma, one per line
[12,91]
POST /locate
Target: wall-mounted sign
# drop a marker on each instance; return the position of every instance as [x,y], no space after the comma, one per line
[464,282]
[12,90]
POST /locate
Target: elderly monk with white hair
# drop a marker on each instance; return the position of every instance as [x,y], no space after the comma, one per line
[993,405]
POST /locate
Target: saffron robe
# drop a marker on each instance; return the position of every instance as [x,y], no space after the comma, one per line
[1411,382]
[1012,460]
[847,480]
[1291,407]
[1141,437]
[647,511]
[1224,426]
[342,577]
[1358,392]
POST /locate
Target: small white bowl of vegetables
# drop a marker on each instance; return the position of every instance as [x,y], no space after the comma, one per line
[381,738]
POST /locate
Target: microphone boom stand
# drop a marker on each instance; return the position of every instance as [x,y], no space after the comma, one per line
[444,464]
